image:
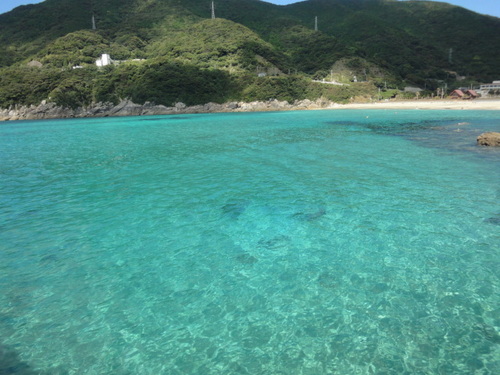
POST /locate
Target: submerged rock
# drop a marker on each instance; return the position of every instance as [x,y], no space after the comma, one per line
[328,280]
[493,220]
[11,363]
[234,209]
[246,259]
[275,242]
[489,139]
[310,216]
[488,332]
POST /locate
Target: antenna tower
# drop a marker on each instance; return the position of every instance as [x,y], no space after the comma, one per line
[450,56]
[94,27]
[213,10]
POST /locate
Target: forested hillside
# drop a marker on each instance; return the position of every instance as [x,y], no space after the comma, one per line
[171,50]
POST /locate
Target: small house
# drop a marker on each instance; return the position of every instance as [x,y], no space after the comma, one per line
[472,94]
[457,94]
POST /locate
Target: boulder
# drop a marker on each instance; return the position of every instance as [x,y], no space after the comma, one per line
[232,105]
[35,64]
[126,108]
[157,110]
[194,109]
[212,107]
[180,106]
[489,139]
[99,108]
[302,104]
[277,105]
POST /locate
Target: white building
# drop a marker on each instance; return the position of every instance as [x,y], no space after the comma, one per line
[495,85]
[484,90]
[104,60]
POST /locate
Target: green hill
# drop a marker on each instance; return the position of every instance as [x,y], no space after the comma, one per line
[391,42]
[412,38]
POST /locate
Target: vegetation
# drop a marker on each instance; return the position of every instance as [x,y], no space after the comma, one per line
[186,56]
[218,44]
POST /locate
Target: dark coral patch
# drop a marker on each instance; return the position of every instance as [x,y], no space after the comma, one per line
[246,259]
[234,209]
[275,242]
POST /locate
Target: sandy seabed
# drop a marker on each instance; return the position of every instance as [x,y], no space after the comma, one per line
[478,104]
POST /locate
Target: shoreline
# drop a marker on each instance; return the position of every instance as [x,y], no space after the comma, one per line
[425,104]
[127,108]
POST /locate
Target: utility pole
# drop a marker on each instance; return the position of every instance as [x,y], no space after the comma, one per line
[316,23]
[450,55]
[213,10]
[94,27]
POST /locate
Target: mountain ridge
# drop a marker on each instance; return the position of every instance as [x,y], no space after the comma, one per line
[413,42]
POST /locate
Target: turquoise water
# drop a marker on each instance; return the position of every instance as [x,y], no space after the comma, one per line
[325,242]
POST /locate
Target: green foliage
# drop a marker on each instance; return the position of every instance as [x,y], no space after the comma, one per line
[346,69]
[82,47]
[309,50]
[219,44]
[293,88]
[407,95]
[163,82]
[342,94]
[403,37]
[194,59]
[26,85]
[288,88]
[156,81]
[71,93]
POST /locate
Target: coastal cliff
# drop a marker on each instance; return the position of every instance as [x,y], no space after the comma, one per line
[47,110]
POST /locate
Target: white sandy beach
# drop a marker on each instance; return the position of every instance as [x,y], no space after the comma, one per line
[478,104]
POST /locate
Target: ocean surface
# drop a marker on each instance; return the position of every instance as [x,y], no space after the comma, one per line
[292,243]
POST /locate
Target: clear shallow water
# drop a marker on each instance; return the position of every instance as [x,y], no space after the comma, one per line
[325,242]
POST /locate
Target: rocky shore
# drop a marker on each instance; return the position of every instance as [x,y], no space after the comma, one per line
[47,110]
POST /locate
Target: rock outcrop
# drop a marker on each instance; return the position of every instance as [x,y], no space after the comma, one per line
[489,139]
[47,110]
